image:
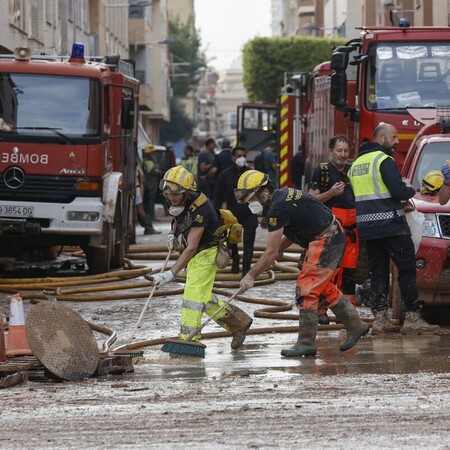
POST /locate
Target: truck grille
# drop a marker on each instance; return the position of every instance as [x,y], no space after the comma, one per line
[38,188]
[444,223]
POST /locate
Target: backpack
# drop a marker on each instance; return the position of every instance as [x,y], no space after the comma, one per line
[230,230]
[259,163]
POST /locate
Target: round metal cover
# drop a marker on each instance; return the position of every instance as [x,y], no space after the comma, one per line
[62,341]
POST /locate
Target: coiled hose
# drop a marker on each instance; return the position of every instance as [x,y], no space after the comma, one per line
[114,286]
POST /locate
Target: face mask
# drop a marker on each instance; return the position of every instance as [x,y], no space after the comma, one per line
[175,211]
[240,162]
[255,207]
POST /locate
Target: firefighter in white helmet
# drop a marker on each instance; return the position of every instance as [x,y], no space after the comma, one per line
[194,226]
[298,217]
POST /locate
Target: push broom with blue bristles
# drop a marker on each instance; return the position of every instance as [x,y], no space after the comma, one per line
[189,347]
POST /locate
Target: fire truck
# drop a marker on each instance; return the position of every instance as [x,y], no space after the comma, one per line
[68,139]
[376,78]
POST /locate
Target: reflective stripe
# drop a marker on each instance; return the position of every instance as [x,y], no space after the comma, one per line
[360,198]
[379,216]
[195,306]
[375,177]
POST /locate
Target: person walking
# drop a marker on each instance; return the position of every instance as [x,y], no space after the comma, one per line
[151,176]
[330,185]
[380,195]
[189,160]
[224,193]
[206,169]
[223,160]
[193,226]
[298,217]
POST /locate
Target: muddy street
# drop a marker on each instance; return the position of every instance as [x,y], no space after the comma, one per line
[384,393]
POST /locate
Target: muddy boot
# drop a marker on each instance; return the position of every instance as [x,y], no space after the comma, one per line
[346,313]
[383,324]
[237,322]
[414,324]
[323,317]
[306,342]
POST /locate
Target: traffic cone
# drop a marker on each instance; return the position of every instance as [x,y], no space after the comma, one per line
[17,339]
[2,338]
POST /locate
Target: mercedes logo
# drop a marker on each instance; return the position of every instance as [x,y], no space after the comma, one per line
[14,177]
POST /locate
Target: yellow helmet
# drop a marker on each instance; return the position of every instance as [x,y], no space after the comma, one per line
[432,182]
[177,180]
[249,184]
[149,148]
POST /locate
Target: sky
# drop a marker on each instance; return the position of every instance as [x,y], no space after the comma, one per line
[226,25]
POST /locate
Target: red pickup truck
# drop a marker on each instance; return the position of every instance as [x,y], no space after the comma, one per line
[429,151]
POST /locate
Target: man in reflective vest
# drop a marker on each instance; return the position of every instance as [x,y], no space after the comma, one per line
[380,195]
[330,185]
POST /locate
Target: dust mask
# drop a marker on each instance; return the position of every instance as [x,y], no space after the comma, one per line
[240,162]
[255,207]
[175,211]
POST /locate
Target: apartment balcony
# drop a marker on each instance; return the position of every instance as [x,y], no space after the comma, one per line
[138,32]
[145,98]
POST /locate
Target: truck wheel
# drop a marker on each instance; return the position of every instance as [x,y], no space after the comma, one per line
[120,240]
[395,298]
[99,258]
[362,272]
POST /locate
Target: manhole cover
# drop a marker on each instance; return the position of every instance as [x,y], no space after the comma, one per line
[62,341]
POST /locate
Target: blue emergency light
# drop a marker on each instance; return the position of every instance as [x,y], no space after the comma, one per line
[78,50]
[404,23]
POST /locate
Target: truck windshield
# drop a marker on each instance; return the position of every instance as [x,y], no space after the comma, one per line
[48,105]
[408,75]
[433,155]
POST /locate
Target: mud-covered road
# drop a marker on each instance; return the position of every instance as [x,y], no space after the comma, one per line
[385,393]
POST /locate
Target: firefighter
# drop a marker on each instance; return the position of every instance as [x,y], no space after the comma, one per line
[298,217]
[380,195]
[431,183]
[331,186]
[194,226]
[151,173]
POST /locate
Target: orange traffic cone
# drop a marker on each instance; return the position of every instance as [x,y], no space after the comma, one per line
[2,338]
[17,339]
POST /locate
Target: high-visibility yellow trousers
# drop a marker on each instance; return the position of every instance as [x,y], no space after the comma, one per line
[198,297]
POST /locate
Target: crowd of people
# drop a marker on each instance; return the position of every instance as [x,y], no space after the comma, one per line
[344,206]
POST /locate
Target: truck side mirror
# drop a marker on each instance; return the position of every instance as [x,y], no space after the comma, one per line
[338,89]
[127,116]
[339,61]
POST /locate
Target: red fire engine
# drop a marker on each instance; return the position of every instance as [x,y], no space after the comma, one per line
[67,154]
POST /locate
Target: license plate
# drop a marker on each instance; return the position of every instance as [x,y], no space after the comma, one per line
[16,211]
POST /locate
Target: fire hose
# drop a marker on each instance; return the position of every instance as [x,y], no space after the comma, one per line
[95,288]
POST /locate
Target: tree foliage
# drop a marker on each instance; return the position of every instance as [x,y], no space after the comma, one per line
[185,58]
[265,61]
[184,49]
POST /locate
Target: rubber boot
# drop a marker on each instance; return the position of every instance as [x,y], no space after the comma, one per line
[323,317]
[414,324]
[237,322]
[235,265]
[306,342]
[246,265]
[346,313]
[383,324]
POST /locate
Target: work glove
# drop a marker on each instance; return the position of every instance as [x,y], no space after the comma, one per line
[446,172]
[246,283]
[162,278]
[172,242]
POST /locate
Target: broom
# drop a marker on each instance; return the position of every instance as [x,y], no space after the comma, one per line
[126,348]
[191,348]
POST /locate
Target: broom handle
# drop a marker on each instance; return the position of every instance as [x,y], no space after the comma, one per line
[144,309]
[197,330]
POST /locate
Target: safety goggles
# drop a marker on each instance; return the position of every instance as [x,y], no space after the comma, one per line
[244,195]
[168,188]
